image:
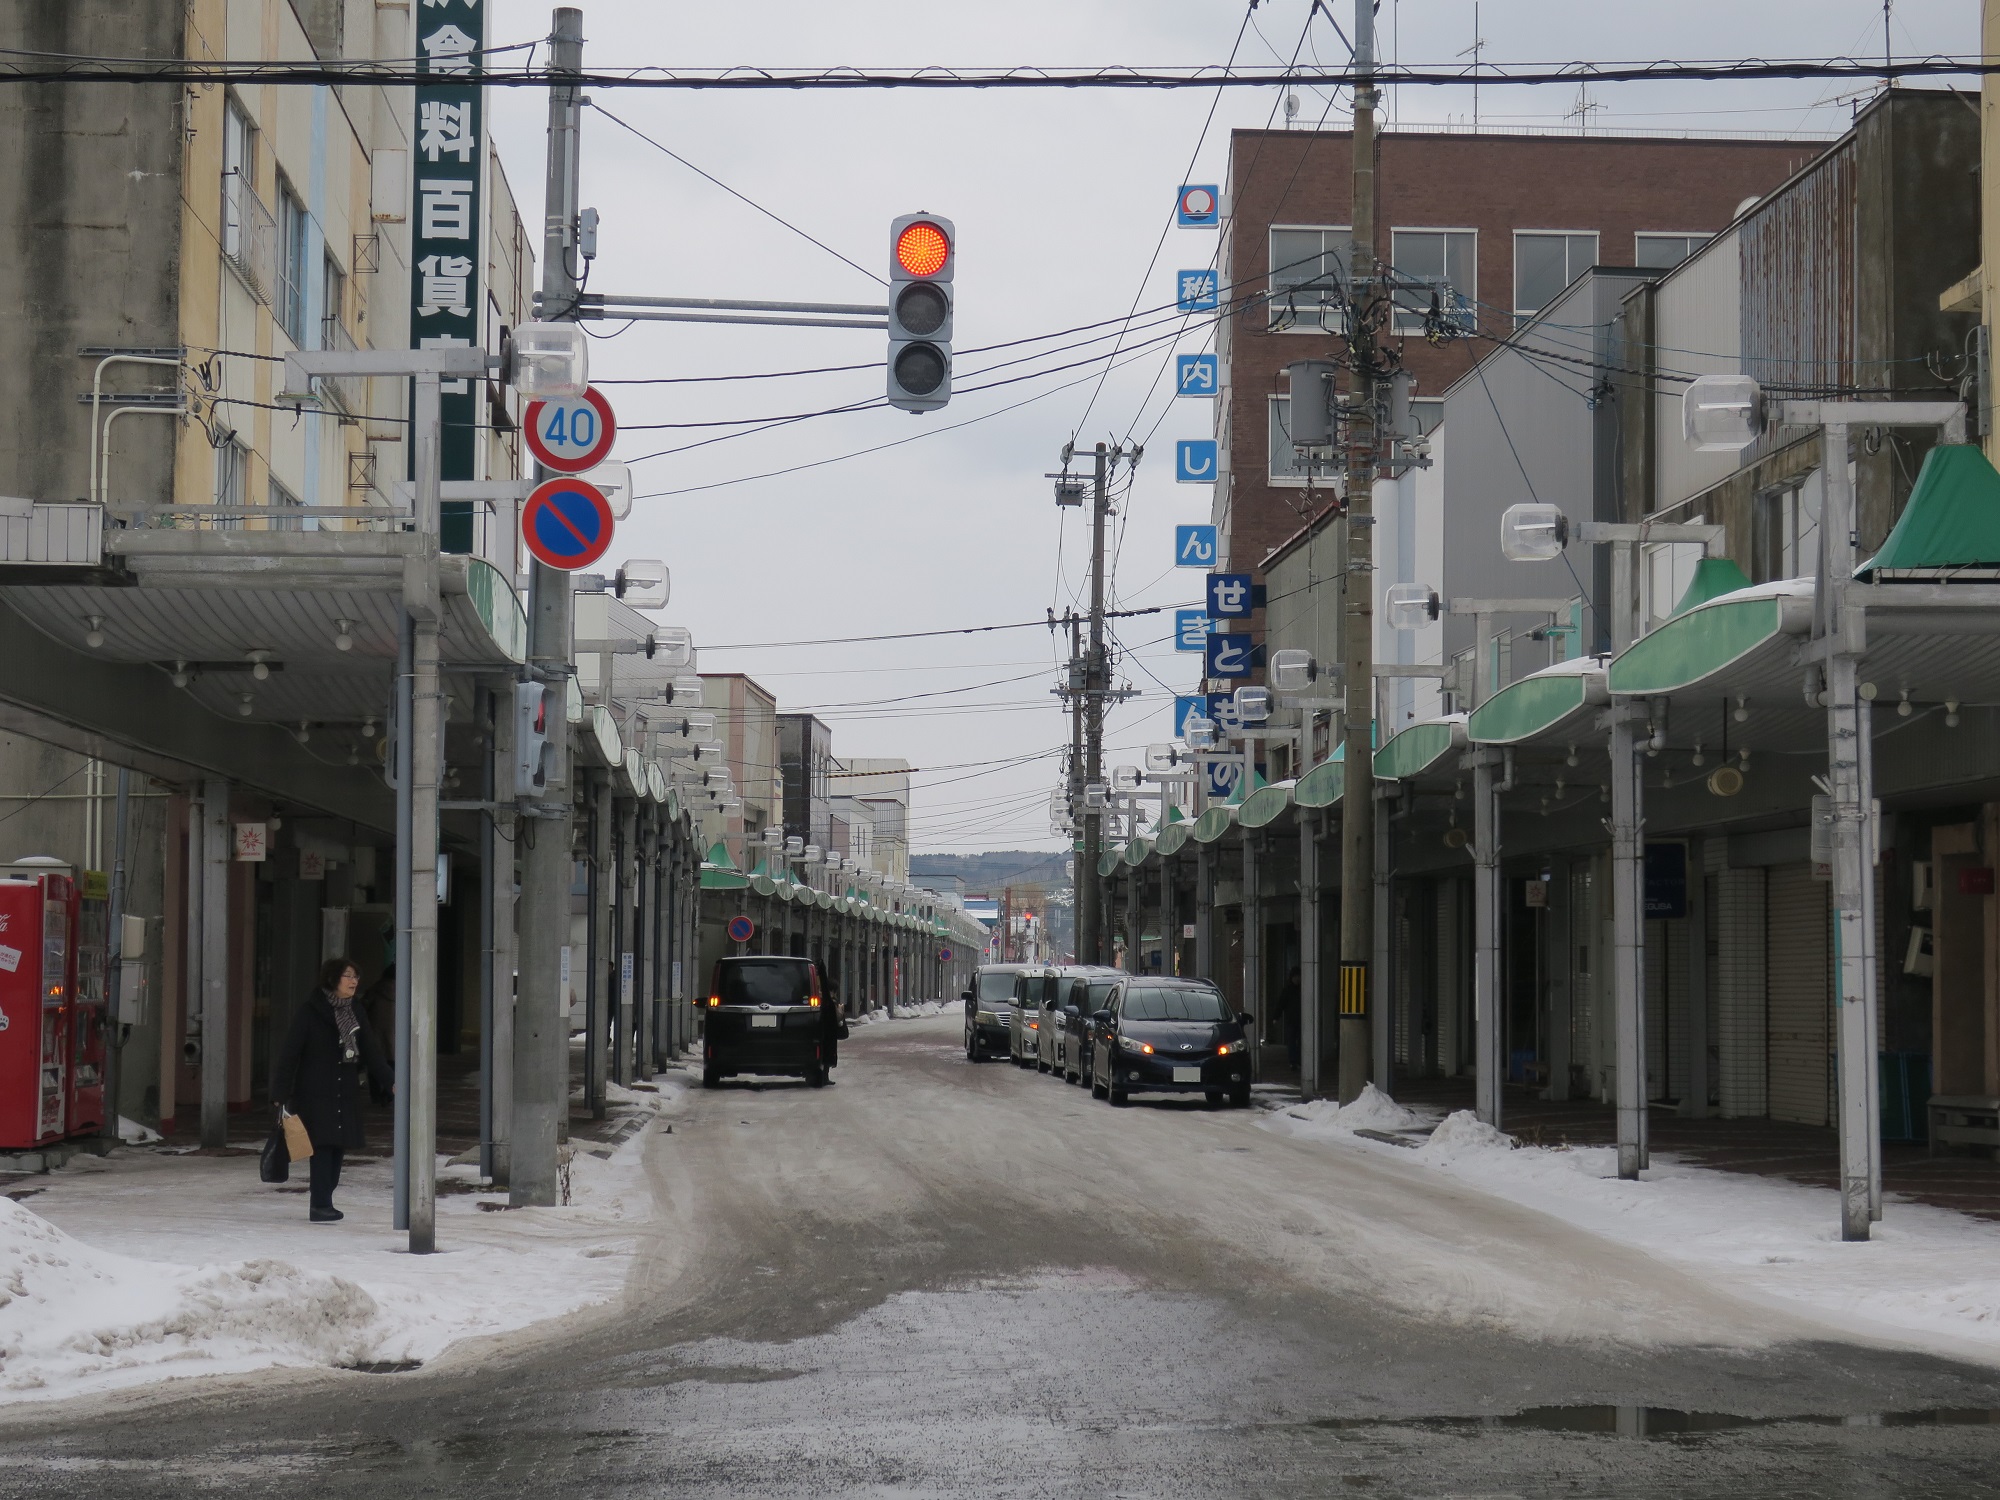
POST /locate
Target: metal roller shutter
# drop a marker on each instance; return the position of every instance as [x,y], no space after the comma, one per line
[1799,984]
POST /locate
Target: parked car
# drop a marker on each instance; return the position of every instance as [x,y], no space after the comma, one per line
[1034,990]
[1084,990]
[989,1010]
[763,1016]
[1170,1036]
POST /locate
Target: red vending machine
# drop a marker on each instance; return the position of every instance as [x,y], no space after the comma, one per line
[37,979]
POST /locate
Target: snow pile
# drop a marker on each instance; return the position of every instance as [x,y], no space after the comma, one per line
[1320,1119]
[129,1269]
[1464,1136]
[72,1315]
[915,1010]
[1928,1278]
[132,1133]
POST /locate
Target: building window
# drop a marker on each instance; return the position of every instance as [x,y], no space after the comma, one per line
[282,501]
[1287,466]
[1785,539]
[1308,271]
[1665,251]
[290,304]
[333,306]
[1546,261]
[249,240]
[1438,266]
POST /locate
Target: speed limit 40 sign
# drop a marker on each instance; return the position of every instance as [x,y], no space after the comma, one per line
[571,434]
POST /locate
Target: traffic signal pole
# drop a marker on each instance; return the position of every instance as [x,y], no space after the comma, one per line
[541,1031]
[1357,809]
[1076,680]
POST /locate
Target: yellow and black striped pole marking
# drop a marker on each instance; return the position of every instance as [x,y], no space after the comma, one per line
[1353,987]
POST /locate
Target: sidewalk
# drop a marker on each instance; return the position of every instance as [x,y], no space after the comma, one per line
[1805,1154]
[169,1260]
[1749,1206]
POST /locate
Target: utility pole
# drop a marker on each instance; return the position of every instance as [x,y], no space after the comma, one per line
[1357,809]
[1077,876]
[1096,683]
[541,1031]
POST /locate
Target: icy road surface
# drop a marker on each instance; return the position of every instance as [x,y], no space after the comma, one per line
[944,1280]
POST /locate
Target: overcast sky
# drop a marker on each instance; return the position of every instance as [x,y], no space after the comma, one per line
[1059,199]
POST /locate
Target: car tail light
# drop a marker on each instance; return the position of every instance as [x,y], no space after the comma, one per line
[713,1001]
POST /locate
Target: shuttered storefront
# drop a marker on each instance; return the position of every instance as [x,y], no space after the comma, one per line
[1799,986]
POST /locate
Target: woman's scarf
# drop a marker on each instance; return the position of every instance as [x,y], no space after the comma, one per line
[349,1024]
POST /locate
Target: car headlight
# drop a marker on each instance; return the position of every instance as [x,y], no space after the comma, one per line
[986,1018]
[1133,1044]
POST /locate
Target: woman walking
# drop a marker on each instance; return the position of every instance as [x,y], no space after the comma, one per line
[318,1077]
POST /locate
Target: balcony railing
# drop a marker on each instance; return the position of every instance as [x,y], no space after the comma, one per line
[249,236]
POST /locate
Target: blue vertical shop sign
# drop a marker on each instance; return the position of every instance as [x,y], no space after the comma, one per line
[446,222]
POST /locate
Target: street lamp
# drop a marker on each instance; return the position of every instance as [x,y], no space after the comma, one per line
[1722,413]
[550,360]
[1253,704]
[1533,532]
[1411,606]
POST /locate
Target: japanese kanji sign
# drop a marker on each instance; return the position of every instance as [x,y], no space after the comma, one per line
[1196,374]
[445,250]
[1195,291]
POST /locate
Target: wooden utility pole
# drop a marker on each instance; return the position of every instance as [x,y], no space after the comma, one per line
[1357,807]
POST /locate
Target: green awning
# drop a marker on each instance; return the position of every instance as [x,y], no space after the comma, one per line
[1952,520]
[1263,806]
[1109,860]
[1713,577]
[719,872]
[1214,823]
[1708,640]
[1549,701]
[1136,852]
[1418,748]
[1322,785]
[763,885]
[1172,837]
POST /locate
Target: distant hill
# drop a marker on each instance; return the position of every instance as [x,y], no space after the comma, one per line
[990,872]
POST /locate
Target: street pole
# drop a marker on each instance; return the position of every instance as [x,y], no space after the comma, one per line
[541,1037]
[1090,895]
[423,736]
[1357,808]
[1077,877]
[115,999]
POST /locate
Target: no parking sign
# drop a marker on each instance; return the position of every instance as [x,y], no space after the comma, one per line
[741,929]
[567,523]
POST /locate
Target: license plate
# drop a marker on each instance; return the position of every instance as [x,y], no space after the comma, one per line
[1187,1075]
[771,1021]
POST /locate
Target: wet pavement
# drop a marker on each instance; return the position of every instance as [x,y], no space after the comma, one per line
[945,1280]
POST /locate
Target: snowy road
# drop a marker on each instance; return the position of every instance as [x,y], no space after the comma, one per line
[940,1279]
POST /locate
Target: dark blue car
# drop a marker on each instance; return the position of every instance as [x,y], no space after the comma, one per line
[1170,1036]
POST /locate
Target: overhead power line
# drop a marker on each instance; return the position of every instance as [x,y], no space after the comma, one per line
[915,635]
[17,66]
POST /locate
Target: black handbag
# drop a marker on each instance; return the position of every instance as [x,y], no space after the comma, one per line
[274,1163]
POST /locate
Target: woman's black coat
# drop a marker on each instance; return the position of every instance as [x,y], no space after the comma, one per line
[310,1079]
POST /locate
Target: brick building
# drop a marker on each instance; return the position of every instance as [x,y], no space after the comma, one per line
[1499,224]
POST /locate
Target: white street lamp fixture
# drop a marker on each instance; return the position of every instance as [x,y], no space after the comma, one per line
[1095,796]
[774,837]
[613,480]
[685,687]
[1162,757]
[643,583]
[673,647]
[795,847]
[1199,732]
[717,778]
[551,360]
[1411,606]
[1722,413]
[1533,532]
[1125,778]
[1253,704]
[1295,671]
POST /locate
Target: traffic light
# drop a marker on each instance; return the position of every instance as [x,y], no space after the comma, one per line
[923,252]
[533,754]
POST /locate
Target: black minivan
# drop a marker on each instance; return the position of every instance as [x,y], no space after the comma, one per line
[764,1015]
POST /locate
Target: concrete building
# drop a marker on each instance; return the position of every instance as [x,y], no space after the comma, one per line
[168,246]
[746,727]
[805,763]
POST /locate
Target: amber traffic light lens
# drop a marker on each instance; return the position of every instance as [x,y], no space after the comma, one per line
[921,308]
[922,249]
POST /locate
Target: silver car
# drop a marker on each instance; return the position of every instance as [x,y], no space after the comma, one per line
[1034,990]
[1085,990]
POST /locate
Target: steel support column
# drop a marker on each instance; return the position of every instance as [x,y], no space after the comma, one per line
[1628,952]
[1488,1031]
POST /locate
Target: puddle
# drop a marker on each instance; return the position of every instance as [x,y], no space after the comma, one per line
[1665,1422]
[385,1366]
